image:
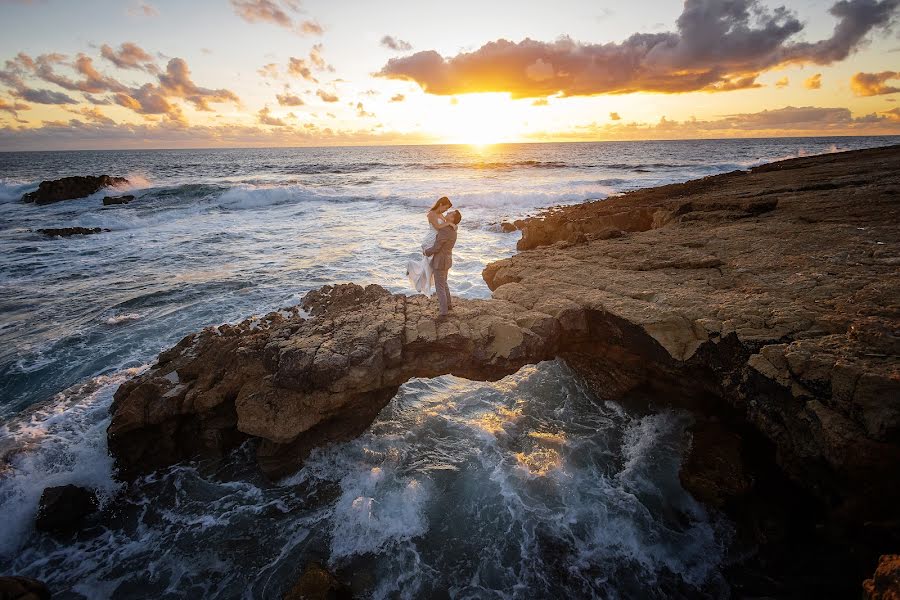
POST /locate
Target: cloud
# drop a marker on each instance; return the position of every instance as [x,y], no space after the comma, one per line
[176,82]
[299,67]
[143,9]
[397,98]
[814,82]
[807,120]
[44,96]
[148,100]
[393,43]
[92,81]
[76,134]
[129,56]
[614,116]
[264,116]
[315,57]
[874,84]
[262,11]
[361,111]
[311,28]
[270,70]
[270,11]
[541,102]
[782,83]
[893,114]
[92,114]
[717,46]
[12,108]
[327,97]
[288,99]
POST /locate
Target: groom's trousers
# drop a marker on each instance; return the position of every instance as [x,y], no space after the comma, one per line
[442,290]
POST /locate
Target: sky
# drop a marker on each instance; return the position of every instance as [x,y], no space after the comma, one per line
[98,74]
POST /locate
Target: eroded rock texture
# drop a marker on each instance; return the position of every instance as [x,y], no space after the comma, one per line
[69,188]
[296,383]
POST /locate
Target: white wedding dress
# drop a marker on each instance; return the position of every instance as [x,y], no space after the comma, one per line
[420,273]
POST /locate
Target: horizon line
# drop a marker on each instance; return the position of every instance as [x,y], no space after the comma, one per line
[402,145]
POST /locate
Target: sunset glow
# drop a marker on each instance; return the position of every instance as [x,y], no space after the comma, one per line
[278,73]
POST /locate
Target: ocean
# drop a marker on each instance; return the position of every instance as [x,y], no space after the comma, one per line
[529,487]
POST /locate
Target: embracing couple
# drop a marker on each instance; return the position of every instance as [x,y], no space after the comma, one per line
[438,250]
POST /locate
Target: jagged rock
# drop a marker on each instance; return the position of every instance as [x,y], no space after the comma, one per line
[318,583]
[112,200]
[68,231]
[23,588]
[885,585]
[69,188]
[295,383]
[63,508]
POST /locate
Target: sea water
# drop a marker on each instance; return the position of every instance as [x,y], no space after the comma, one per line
[530,487]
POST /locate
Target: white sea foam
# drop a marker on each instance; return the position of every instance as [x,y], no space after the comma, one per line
[123,318]
[60,442]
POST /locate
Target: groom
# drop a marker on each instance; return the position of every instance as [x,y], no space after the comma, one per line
[442,253]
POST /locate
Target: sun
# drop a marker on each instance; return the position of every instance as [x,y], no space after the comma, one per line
[481,120]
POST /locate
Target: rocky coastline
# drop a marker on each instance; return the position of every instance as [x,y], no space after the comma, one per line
[766,302]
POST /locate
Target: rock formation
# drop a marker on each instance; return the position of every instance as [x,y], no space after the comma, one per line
[23,588]
[317,583]
[63,508]
[112,200]
[296,383]
[767,302]
[69,231]
[885,584]
[69,188]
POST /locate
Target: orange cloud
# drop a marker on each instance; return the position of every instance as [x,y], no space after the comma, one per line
[270,11]
[264,116]
[874,84]
[814,82]
[718,46]
[782,83]
[288,99]
[129,56]
[326,96]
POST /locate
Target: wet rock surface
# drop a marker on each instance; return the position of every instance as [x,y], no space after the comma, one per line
[70,231]
[23,588]
[62,509]
[885,584]
[113,200]
[295,383]
[69,188]
[318,583]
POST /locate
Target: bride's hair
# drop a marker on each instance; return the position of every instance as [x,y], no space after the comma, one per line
[442,200]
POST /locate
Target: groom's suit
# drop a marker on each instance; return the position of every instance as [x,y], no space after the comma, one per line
[442,259]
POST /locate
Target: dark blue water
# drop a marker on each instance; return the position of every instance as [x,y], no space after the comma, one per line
[528,487]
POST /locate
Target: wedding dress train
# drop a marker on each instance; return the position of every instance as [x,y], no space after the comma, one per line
[420,273]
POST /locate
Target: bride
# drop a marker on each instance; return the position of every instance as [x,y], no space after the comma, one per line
[419,271]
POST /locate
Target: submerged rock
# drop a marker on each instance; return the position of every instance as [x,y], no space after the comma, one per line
[112,200]
[69,188]
[68,231]
[318,583]
[23,588]
[63,508]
